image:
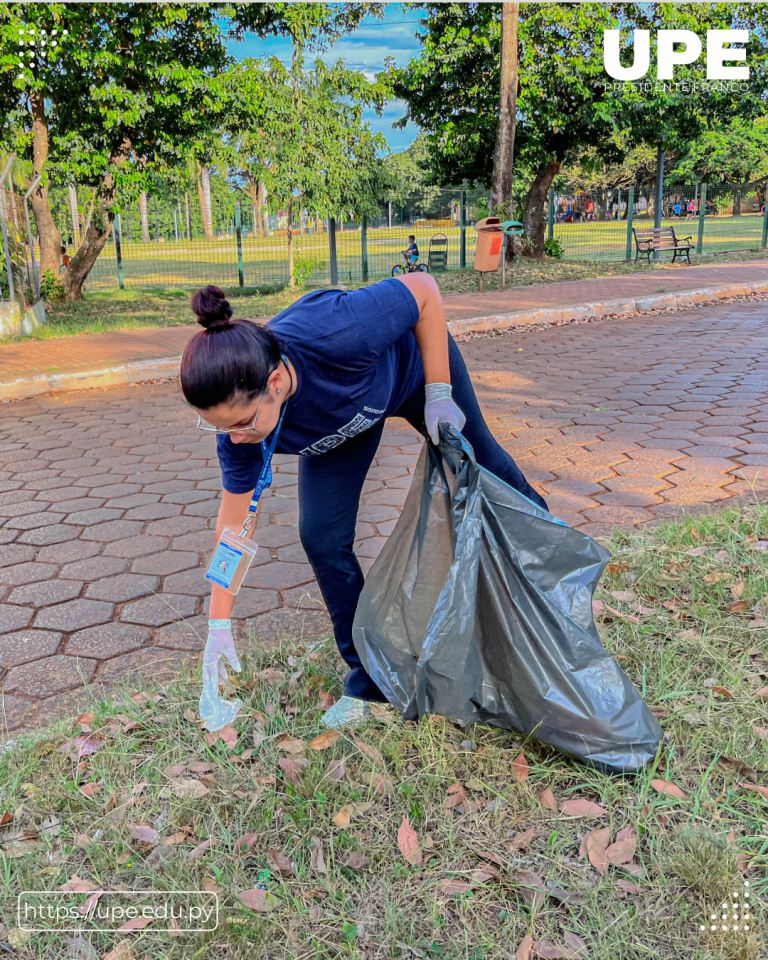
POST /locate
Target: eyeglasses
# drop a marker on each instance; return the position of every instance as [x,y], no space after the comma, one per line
[201,425]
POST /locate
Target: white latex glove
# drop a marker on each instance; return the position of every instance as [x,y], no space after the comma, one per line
[440,408]
[215,710]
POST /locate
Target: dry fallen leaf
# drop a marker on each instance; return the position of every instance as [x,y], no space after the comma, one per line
[737,589]
[371,752]
[454,887]
[337,769]
[520,841]
[533,890]
[143,833]
[199,850]
[737,606]
[628,887]
[259,900]
[82,746]
[668,789]
[582,808]
[270,675]
[763,791]
[317,856]
[292,769]
[381,784]
[135,923]
[76,885]
[290,744]
[621,851]
[457,796]
[762,694]
[723,691]
[596,844]
[408,842]
[244,843]
[349,811]
[525,950]
[122,951]
[520,768]
[738,766]
[547,799]
[188,788]
[325,740]
[280,863]
[760,732]
[355,861]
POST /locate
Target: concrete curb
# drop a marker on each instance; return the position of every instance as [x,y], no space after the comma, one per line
[169,366]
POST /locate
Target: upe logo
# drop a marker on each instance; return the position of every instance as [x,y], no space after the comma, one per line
[668,56]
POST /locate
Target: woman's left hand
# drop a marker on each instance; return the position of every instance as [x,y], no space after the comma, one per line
[440,408]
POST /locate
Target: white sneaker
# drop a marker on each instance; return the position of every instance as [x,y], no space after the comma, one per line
[347,711]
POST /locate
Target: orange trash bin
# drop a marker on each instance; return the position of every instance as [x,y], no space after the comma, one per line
[490,238]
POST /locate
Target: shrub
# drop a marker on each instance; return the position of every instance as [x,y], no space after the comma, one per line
[304,265]
[554,248]
[50,289]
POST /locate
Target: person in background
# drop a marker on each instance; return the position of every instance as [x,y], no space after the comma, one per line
[411,253]
[65,259]
[691,210]
[677,208]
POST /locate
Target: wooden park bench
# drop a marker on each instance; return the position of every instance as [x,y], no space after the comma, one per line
[663,239]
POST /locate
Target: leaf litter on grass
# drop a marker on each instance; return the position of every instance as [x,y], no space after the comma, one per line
[398,829]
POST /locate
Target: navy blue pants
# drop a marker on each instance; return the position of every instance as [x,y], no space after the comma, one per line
[329,497]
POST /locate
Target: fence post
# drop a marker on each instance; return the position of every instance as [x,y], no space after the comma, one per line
[702,213]
[239,234]
[765,224]
[332,251]
[463,233]
[364,246]
[551,215]
[118,252]
[35,271]
[157,225]
[630,218]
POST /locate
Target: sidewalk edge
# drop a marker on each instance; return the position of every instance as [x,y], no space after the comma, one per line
[143,370]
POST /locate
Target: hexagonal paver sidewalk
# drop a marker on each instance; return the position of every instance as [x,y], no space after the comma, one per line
[108,498]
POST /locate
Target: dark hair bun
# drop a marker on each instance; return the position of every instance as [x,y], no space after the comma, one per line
[211,307]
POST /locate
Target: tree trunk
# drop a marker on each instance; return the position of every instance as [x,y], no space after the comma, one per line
[535,207]
[48,232]
[291,278]
[504,153]
[189,215]
[205,195]
[144,216]
[737,201]
[256,191]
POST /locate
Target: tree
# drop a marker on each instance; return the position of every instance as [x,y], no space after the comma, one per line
[452,90]
[736,154]
[301,134]
[504,154]
[119,105]
[408,177]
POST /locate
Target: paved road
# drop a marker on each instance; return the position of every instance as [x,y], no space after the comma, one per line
[107,498]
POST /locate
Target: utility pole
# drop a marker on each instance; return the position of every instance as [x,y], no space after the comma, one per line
[658,211]
[504,154]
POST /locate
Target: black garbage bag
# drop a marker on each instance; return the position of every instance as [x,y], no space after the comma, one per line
[479,608]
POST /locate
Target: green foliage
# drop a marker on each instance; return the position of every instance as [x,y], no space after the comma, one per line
[304,265]
[408,172]
[554,248]
[300,132]
[737,153]
[50,289]
[452,89]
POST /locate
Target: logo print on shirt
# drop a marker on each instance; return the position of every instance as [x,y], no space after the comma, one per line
[356,425]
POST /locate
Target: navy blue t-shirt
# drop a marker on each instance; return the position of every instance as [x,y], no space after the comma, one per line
[356,360]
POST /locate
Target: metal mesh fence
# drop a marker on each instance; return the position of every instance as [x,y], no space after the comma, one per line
[597,225]
[164,242]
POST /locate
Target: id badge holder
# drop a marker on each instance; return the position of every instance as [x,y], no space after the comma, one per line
[231,560]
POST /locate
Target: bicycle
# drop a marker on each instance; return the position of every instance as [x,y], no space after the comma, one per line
[407,267]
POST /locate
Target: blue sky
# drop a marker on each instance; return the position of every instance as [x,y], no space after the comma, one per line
[366,50]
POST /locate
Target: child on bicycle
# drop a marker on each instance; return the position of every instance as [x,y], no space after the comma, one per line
[412,253]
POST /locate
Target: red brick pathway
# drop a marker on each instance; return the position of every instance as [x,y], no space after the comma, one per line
[97,351]
[107,498]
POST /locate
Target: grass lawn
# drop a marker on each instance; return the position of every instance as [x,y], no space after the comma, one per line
[159,805]
[108,309]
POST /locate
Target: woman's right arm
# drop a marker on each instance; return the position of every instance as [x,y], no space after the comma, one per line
[232,512]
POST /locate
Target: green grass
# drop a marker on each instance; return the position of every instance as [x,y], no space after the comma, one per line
[104,309]
[698,663]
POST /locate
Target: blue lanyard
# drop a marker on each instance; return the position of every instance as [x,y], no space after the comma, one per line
[265,477]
